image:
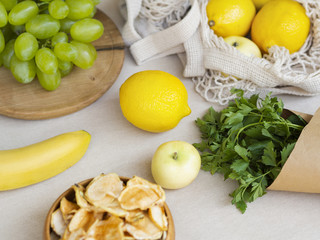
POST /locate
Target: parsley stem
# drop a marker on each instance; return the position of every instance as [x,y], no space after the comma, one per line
[254,179]
[292,125]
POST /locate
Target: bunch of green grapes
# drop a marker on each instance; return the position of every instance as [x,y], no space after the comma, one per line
[46,38]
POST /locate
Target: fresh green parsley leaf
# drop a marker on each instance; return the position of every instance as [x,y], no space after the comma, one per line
[269,155]
[239,165]
[248,141]
[242,152]
[285,152]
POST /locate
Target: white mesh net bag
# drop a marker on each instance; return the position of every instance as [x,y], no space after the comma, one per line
[157,28]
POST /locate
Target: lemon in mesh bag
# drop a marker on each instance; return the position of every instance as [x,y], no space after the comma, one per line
[230,17]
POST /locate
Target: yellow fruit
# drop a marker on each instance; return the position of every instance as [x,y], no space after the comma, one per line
[259,3]
[154,100]
[158,217]
[230,17]
[34,163]
[280,22]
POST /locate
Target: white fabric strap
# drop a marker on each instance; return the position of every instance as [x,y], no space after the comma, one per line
[167,42]
[174,50]
[194,65]
[286,90]
[241,66]
[129,33]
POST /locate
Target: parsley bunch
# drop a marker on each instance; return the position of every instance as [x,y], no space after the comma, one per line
[249,141]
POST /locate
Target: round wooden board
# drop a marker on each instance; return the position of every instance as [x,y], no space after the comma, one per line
[77,90]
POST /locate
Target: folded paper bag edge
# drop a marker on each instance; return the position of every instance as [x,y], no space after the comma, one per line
[301,172]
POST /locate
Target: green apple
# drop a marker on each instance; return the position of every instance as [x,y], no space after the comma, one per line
[244,45]
[175,164]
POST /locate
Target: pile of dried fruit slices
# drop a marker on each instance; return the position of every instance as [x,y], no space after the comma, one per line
[109,208]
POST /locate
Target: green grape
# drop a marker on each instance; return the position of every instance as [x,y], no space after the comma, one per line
[58,9]
[3,15]
[7,53]
[23,12]
[86,54]
[8,33]
[49,82]
[43,26]
[18,29]
[65,67]
[46,61]
[9,4]
[92,50]
[23,71]
[59,38]
[26,46]
[93,13]
[87,30]
[66,24]
[79,9]
[65,52]
[2,42]
[96,2]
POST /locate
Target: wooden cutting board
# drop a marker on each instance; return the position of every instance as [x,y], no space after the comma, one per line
[77,90]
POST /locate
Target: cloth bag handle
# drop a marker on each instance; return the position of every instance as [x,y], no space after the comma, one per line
[159,44]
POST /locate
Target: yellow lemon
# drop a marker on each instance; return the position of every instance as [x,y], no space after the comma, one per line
[154,100]
[230,17]
[280,22]
[259,3]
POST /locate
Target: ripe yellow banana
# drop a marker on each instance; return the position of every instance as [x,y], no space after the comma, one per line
[34,163]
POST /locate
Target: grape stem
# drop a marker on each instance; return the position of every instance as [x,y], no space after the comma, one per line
[47,43]
[42,3]
[42,6]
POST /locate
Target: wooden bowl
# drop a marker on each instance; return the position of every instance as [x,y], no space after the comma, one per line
[69,194]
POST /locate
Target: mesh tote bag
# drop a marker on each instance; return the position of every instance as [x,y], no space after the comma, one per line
[157,28]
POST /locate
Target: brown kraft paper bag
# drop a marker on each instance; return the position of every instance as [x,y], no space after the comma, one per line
[301,172]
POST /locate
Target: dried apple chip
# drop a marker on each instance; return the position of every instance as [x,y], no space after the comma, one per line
[134,215]
[111,229]
[98,215]
[158,216]
[78,234]
[66,235]
[115,209]
[82,219]
[58,224]
[144,229]
[138,197]
[67,209]
[128,237]
[103,189]
[164,235]
[104,184]
[135,180]
[79,194]
[103,203]
[141,181]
